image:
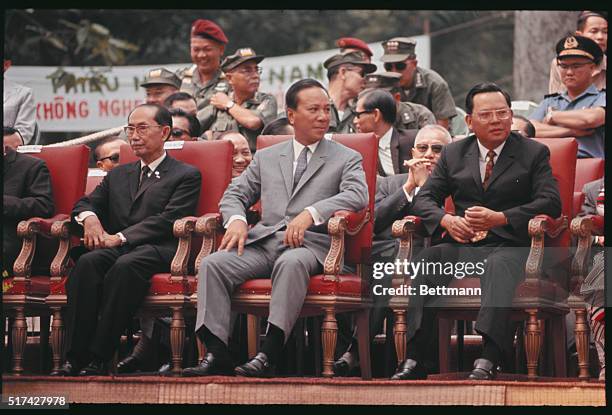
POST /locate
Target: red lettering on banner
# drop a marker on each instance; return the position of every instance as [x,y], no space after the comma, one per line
[48,109]
[71,110]
[83,109]
[103,108]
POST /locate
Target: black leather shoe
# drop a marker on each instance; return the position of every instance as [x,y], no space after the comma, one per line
[410,370]
[96,367]
[67,369]
[209,366]
[257,367]
[128,365]
[345,364]
[484,369]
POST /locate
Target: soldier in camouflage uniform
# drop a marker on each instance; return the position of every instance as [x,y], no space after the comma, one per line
[410,116]
[345,72]
[204,78]
[419,85]
[244,109]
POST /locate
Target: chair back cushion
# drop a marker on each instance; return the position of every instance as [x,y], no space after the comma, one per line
[68,169]
[588,170]
[357,247]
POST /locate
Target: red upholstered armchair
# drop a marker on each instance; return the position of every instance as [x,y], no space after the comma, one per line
[587,170]
[27,292]
[331,292]
[169,293]
[540,299]
[583,228]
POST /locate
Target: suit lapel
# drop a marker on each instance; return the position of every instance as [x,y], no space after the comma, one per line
[286,165]
[316,162]
[9,159]
[395,150]
[162,169]
[504,160]
[133,178]
[472,158]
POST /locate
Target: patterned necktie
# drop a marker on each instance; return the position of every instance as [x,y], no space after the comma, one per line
[488,168]
[143,175]
[302,162]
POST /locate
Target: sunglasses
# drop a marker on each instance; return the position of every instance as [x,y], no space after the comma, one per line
[114,158]
[435,148]
[400,66]
[177,132]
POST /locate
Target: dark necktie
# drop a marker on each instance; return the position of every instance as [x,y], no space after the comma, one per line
[488,168]
[143,175]
[302,162]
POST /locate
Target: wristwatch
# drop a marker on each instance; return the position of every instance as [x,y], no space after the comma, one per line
[229,105]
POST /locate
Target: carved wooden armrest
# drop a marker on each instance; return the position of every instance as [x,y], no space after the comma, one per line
[583,228]
[183,229]
[405,229]
[336,227]
[354,220]
[61,230]
[539,227]
[207,226]
[28,230]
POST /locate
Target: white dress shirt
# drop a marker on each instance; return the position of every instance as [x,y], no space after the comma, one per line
[384,152]
[482,159]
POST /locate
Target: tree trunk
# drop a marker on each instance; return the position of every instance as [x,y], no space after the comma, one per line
[535,35]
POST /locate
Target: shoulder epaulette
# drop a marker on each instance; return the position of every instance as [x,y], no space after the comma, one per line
[555,94]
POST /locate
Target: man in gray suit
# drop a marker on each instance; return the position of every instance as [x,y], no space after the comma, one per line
[19,108]
[300,183]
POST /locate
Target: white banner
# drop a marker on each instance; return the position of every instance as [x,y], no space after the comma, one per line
[88,99]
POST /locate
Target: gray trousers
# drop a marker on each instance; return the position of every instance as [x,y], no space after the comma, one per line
[221,272]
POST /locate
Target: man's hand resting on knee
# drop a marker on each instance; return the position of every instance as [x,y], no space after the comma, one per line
[235,235]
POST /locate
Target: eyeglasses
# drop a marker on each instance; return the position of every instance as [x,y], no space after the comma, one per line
[435,148]
[250,72]
[114,158]
[487,116]
[400,66]
[177,132]
[140,129]
[360,113]
[572,66]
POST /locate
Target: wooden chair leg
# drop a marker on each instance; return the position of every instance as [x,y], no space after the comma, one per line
[45,323]
[57,338]
[329,336]
[253,328]
[363,338]
[581,331]
[20,337]
[444,335]
[399,334]
[177,339]
[532,343]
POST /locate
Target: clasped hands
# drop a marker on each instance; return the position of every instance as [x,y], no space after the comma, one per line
[95,237]
[237,232]
[476,219]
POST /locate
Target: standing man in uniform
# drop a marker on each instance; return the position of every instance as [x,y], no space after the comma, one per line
[159,84]
[580,111]
[419,85]
[202,79]
[244,109]
[346,72]
[410,116]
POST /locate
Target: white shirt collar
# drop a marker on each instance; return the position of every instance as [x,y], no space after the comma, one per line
[384,143]
[483,150]
[298,147]
[154,164]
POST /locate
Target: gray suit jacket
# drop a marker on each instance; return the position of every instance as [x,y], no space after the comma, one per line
[334,180]
[591,191]
[19,110]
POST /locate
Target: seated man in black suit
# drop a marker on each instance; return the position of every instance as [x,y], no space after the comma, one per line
[376,111]
[498,180]
[27,193]
[127,225]
[394,195]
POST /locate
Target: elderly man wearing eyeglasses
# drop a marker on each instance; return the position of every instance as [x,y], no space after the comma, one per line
[244,108]
[419,85]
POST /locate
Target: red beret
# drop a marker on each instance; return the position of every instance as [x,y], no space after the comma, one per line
[354,43]
[208,29]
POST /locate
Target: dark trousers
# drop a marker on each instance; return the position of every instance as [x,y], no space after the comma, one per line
[504,268]
[105,289]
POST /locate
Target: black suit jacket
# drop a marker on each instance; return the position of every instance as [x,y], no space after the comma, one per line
[27,193]
[521,185]
[145,215]
[402,142]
